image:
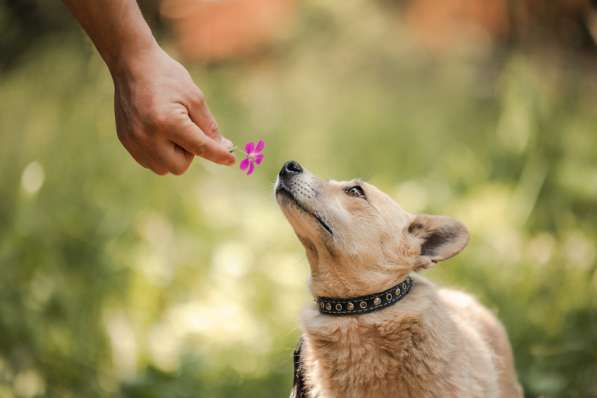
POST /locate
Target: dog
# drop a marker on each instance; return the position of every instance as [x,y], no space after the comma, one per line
[377,329]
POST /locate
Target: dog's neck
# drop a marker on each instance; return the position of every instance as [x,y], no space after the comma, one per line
[329,279]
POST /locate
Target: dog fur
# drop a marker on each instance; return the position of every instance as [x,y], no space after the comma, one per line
[434,343]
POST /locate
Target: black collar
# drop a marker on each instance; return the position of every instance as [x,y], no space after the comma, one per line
[364,304]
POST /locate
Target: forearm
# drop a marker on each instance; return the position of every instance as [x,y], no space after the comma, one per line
[116,27]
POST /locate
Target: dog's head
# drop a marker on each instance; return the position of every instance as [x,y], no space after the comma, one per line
[358,240]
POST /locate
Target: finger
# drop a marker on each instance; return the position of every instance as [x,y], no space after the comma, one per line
[147,161]
[190,137]
[166,158]
[135,151]
[140,159]
[159,170]
[177,159]
[156,165]
[202,117]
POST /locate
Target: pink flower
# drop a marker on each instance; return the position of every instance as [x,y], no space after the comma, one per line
[253,156]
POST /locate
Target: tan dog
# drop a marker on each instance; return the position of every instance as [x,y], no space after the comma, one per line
[411,340]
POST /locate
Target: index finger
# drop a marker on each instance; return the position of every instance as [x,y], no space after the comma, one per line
[201,115]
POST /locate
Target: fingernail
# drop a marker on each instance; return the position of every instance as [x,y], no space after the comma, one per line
[227,143]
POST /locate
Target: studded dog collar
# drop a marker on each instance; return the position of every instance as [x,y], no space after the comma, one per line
[365,304]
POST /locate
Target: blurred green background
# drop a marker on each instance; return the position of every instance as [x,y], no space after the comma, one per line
[118,283]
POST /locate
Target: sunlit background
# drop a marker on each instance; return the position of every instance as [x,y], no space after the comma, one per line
[117,283]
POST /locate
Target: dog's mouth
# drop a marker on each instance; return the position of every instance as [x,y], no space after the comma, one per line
[285,192]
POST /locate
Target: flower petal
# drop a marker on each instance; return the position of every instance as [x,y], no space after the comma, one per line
[244,164]
[249,147]
[260,146]
[259,158]
[251,169]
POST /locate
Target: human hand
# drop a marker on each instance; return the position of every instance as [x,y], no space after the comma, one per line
[162,117]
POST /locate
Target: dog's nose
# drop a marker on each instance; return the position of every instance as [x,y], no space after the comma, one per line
[291,168]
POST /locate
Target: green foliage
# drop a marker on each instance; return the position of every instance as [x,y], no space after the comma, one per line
[119,283]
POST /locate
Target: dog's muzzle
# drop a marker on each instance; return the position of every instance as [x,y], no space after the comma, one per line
[294,185]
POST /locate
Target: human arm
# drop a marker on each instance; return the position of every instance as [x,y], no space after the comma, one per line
[162,117]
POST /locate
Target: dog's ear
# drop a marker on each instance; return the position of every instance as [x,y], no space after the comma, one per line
[437,237]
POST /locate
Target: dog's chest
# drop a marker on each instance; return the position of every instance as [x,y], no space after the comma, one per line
[356,360]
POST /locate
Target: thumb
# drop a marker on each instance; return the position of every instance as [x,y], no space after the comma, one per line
[192,138]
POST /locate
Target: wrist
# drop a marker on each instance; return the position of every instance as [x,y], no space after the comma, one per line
[125,58]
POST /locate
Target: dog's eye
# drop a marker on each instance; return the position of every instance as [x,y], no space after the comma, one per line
[355,191]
